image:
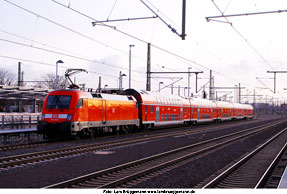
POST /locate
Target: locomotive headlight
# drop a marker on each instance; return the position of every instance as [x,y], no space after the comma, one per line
[43,117]
[69,117]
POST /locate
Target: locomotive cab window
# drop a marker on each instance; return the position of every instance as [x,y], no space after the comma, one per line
[58,102]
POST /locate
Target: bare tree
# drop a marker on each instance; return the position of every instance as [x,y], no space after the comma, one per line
[49,81]
[7,77]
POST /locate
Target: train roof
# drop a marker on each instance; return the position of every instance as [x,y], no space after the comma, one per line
[157,98]
[79,93]
[117,97]
[83,94]
[248,106]
[223,104]
[203,103]
[147,97]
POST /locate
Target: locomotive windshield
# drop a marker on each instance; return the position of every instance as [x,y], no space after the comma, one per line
[58,102]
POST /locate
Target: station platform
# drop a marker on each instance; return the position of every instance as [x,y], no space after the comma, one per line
[283,181]
[13,131]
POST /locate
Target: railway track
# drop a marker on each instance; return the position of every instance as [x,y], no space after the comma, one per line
[273,174]
[20,146]
[45,143]
[29,158]
[131,172]
[253,170]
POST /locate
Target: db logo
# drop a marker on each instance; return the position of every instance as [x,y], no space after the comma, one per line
[55,116]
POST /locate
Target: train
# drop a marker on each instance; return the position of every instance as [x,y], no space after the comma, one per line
[74,112]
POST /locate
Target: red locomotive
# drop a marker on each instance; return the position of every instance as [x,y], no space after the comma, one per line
[75,112]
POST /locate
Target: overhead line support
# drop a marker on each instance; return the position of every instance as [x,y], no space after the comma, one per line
[168,25]
[120,20]
[275,77]
[210,18]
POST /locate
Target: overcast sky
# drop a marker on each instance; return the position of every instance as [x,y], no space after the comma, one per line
[44,32]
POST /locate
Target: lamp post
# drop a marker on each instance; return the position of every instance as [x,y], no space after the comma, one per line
[59,61]
[159,86]
[121,80]
[130,64]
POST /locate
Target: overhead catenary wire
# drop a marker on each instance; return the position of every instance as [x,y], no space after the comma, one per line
[227,6]
[61,66]
[268,37]
[72,30]
[184,59]
[41,43]
[112,9]
[187,37]
[187,61]
[75,55]
[35,28]
[168,25]
[65,27]
[56,52]
[245,39]
[162,13]
[64,54]
[90,38]
[124,33]
[241,35]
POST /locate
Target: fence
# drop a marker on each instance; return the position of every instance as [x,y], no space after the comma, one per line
[19,120]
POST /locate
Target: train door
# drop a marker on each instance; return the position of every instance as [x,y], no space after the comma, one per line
[181,113]
[191,114]
[157,114]
[104,111]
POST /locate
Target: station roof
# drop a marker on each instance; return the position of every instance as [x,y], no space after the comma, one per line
[22,93]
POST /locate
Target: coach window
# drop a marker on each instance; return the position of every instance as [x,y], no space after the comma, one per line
[80,103]
[146,108]
[151,109]
[184,109]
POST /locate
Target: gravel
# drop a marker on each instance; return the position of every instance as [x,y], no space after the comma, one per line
[50,172]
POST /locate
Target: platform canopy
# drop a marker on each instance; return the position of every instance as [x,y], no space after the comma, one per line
[22,93]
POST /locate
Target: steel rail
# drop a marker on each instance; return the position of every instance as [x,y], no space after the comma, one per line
[33,157]
[118,175]
[238,164]
[268,172]
[19,146]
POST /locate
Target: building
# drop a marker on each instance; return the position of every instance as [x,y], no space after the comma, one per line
[22,99]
